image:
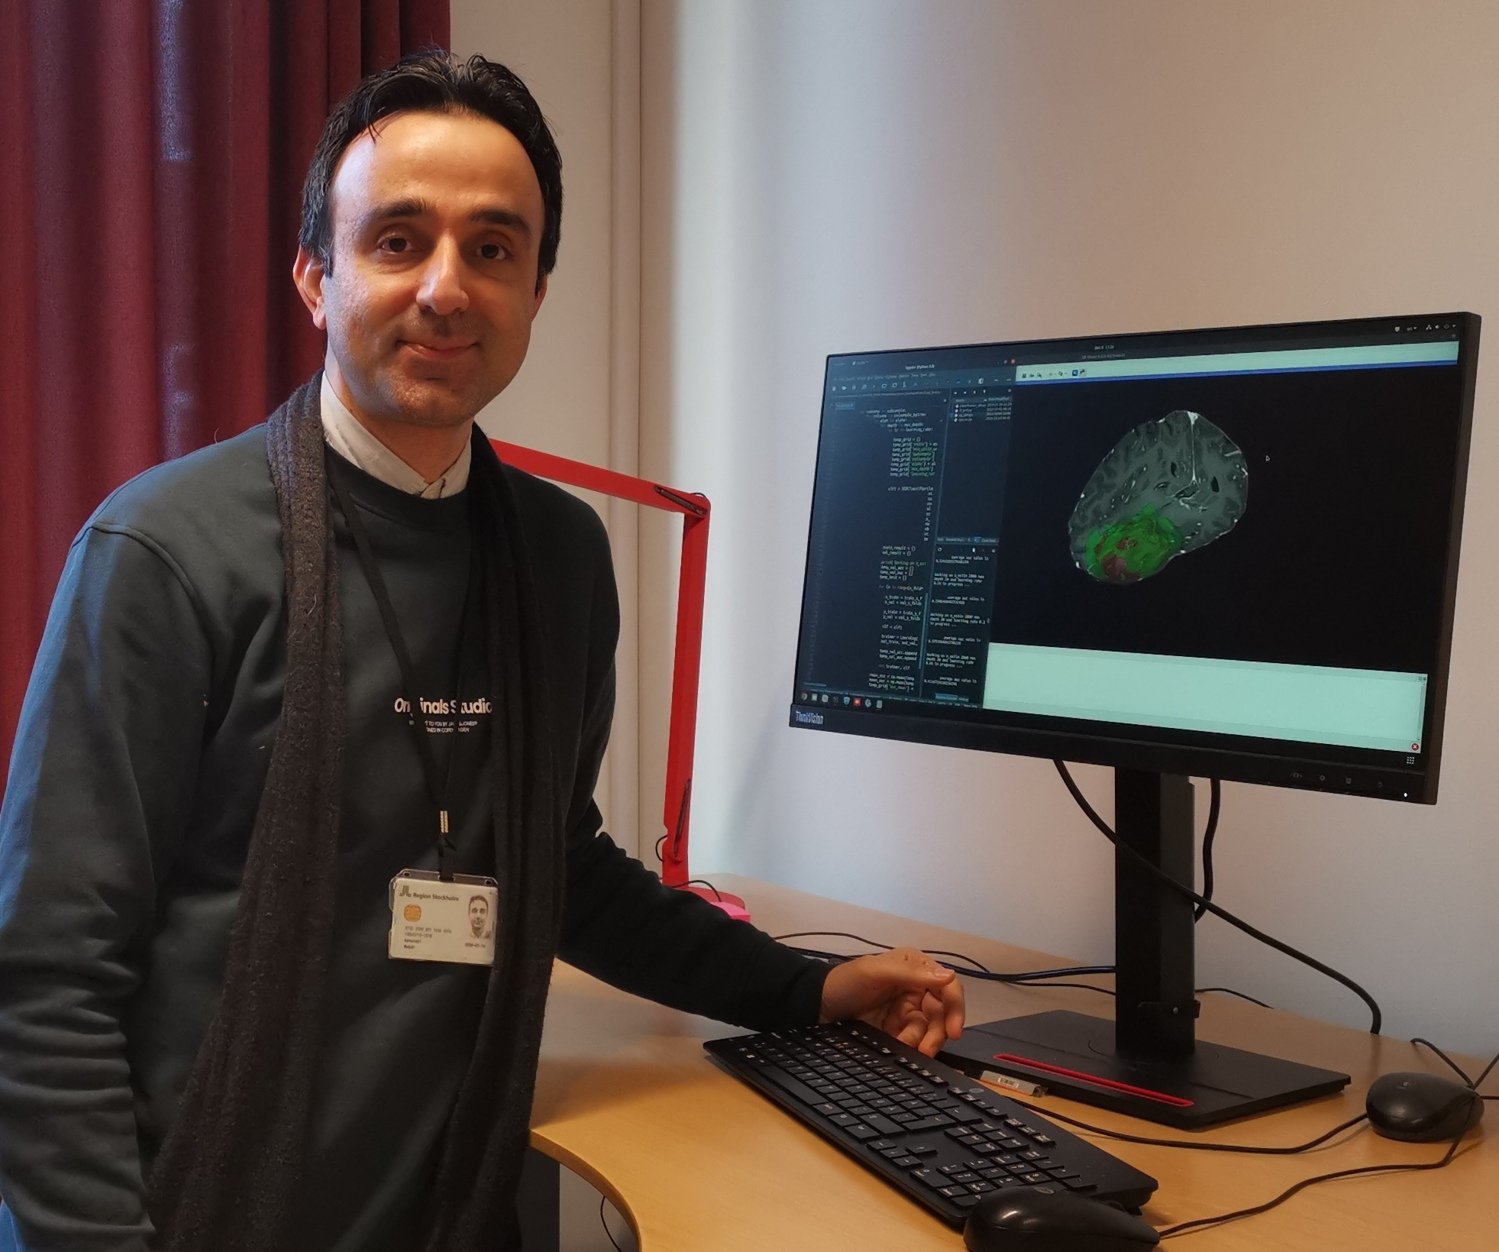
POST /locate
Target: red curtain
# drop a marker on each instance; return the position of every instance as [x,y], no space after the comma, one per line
[151,162]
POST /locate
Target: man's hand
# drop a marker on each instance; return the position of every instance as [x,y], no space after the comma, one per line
[903,992]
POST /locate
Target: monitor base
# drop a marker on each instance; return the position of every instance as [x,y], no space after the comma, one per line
[1072,1054]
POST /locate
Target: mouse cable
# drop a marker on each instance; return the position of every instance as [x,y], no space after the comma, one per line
[1376,1017]
[1457,1069]
[1202,1223]
[1251,1148]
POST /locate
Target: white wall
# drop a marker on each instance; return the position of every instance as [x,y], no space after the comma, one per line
[577,395]
[833,175]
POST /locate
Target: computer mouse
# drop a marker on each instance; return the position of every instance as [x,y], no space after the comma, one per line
[1422,1108]
[1040,1219]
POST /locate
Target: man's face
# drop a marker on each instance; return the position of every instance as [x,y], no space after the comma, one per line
[478,916]
[436,221]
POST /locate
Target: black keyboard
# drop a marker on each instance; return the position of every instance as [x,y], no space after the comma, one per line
[942,1138]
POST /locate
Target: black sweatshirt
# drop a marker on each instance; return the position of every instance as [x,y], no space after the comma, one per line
[139,761]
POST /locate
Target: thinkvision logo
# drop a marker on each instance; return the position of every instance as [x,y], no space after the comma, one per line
[803,718]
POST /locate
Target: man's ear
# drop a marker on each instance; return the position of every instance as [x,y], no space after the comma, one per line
[541,293]
[307,272]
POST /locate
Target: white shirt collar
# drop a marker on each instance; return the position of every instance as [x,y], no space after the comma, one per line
[346,436]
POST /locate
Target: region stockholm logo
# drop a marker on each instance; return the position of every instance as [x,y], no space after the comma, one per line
[804,718]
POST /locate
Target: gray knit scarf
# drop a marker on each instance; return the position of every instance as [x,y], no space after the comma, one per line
[227,1175]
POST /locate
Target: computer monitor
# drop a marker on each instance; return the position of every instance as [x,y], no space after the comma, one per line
[1229,553]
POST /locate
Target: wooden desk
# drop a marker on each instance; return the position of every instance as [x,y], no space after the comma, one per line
[698,1162]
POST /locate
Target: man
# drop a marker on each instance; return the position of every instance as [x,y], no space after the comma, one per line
[306,689]
[478,917]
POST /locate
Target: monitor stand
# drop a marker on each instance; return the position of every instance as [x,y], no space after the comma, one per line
[1147,1062]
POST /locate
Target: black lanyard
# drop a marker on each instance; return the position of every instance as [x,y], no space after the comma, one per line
[437,781]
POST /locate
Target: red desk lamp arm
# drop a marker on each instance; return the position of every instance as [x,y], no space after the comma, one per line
[691,587]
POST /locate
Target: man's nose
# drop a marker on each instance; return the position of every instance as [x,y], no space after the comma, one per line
[442,289]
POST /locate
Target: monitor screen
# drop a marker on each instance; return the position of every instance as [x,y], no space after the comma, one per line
[1227,552]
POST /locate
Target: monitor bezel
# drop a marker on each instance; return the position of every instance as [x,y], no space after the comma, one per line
[1275,763]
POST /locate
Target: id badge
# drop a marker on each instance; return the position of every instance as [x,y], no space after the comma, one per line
[452,922]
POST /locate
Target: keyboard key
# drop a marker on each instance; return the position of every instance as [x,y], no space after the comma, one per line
[927,1123]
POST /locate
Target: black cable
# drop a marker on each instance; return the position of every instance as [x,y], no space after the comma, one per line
[1182,1228]
[604,1221]
[1070,986]
[1457,1069]
[1191,1145]
[884,947]
[837,958]
[1215,805]
[703,882]
[972,968]
[1376,1017]
[1451,1064]
[1208,1222]
[1229,991]
[1028,979]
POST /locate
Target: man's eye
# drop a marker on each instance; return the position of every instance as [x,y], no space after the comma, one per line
[492,251]
[394,243]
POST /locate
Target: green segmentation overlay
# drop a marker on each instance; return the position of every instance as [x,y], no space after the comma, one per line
[1133,549]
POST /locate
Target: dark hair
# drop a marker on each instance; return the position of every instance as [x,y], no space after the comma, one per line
[435,82]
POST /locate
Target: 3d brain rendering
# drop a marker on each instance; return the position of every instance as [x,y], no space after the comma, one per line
[1168,487]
